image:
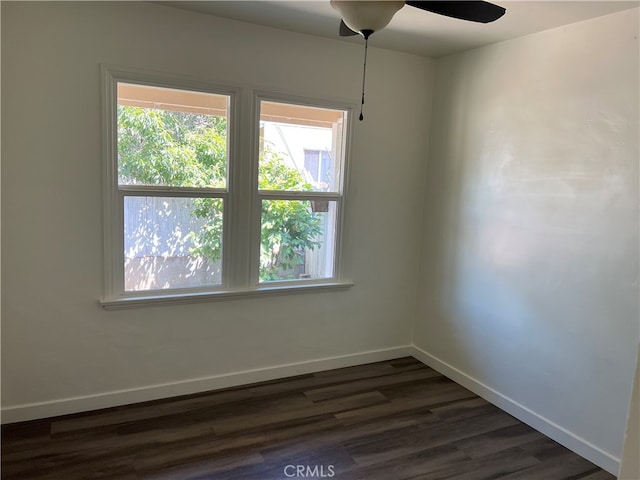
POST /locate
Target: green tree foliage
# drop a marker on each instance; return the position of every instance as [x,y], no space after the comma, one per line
[160,147]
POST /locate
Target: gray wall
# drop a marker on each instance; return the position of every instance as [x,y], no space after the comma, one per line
[530,273]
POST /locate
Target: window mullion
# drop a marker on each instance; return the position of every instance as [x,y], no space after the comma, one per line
[256,201]
[238,234]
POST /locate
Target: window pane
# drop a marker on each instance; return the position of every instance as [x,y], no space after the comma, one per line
[172,242]
[300,147]
[171,137]
[297,239]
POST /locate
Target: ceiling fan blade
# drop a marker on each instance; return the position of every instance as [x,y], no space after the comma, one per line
[474,11]
[346,31]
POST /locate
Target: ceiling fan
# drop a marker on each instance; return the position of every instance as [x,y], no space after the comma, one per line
[365,17]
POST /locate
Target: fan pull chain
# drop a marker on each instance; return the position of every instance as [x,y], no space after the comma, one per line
[364,73]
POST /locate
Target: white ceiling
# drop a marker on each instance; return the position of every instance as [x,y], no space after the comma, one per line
[412,30]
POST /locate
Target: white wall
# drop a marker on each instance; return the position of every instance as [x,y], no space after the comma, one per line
[530,285]
[57,342]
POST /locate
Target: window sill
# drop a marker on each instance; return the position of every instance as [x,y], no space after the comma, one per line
[184,298]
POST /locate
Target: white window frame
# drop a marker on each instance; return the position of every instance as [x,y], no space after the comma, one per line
[241,197]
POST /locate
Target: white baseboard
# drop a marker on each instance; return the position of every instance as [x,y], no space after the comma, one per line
[552,430]
[32,411]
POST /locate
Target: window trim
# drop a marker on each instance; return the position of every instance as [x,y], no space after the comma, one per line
[242,199]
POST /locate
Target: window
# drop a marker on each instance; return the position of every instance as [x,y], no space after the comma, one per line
[197,206]
[299,203]
[172,174]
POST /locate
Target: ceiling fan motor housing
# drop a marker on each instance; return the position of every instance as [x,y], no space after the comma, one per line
[363,15]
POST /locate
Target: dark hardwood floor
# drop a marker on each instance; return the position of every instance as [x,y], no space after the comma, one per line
[391,420]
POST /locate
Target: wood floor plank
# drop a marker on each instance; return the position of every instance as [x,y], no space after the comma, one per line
[409,466]
[392,420]
[497,440]
[498,465]
[156,458]
[340,436]
[472,407]
[377,369]
[597,475]
[379,448]
[202,468]
[248,422]
[417,402]
[363,385]
[564,467]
